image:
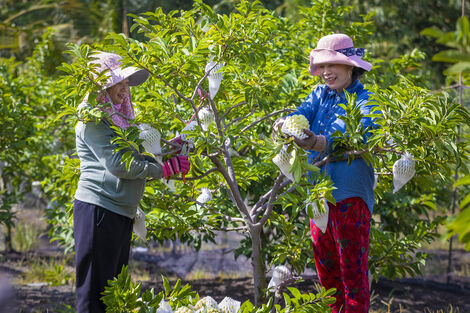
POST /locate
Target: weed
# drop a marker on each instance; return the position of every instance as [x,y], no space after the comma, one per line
[25,236]
[450,309]
[53,272]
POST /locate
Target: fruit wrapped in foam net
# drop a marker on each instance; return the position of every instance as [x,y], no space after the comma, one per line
[283,160]
[151,138]
[403,171]
[294,125]
[319,218]
[280,274]
[214,77]
[206,117]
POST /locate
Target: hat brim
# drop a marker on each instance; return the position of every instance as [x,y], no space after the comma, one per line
[136,76]
[322,56]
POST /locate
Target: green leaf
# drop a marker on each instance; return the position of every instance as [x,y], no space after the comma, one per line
[461,67]
[432,32]
[166,286]
[295,292]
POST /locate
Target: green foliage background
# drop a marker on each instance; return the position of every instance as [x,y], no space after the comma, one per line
[265,52]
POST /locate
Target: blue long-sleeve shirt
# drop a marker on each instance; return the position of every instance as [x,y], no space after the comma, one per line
[322,110]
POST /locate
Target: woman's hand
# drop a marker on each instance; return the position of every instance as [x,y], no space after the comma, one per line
[312,142]
[307,143]
[175,165]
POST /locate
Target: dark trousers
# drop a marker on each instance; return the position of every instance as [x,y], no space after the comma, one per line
[102,244]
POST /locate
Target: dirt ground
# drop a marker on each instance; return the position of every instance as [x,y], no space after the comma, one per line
[214,272]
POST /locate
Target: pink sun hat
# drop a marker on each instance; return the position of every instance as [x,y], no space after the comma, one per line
[337,49]
[117,73]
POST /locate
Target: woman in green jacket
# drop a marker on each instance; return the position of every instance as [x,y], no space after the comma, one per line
[108,193]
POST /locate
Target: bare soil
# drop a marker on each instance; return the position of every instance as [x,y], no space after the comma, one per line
[222,276]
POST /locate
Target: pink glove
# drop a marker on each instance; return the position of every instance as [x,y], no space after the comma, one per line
[177,140]
[175,165]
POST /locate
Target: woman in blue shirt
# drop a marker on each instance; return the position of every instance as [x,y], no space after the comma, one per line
[341,253]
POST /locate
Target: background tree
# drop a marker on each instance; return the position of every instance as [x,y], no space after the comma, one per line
[30,101]
[458,79]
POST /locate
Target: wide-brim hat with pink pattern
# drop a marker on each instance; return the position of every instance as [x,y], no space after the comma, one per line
[337,49]
[116,73]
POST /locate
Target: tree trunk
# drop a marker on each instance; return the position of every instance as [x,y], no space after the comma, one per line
[125,28]
[259,270]
[8,239]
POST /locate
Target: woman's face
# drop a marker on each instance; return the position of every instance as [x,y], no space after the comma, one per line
[119,91]
[336,76]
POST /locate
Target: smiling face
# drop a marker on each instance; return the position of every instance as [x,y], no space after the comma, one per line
[336,76]
[119,91]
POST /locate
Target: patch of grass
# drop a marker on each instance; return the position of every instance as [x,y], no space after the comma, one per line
[139,271]
[203,274]
[25,236]
[53,272]
[199,274]
[450,309]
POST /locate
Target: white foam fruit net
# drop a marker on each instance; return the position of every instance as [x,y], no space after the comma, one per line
[151,140]
[280,274]
[170,184]
[229,305]
[319,218]
[204,197]
[376,180]
[214,77]
[164,307]
[294,125]
[206,117]
[139,225]
[36,188]
[190,127]
[403,171]
[206,303]
[283,160]
[184,309]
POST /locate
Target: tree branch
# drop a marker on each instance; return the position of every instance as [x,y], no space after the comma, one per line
[241,228]
[217,118]
[265,117]
[241,118]
[231,108]
[267,213]
[206,173]
[233,188]
[265,197]
[190,100]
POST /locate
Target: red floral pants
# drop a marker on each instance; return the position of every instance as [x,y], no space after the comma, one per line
[341,255]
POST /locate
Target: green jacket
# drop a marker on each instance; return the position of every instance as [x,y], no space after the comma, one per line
[104,181]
